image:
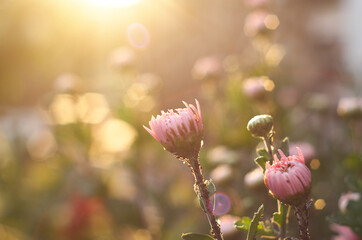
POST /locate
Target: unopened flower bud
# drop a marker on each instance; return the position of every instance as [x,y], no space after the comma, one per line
[288,179]
[260,125]
[179,131]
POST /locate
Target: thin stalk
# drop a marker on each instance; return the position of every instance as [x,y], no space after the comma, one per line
[268,146]
[201,189]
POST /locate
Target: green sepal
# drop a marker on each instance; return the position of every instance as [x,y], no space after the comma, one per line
[196,236]
[261,161]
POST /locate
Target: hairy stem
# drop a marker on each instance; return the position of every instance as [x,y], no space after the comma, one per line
[201,189]
[301,212]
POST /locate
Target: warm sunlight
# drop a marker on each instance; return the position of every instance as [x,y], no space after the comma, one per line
[113,3]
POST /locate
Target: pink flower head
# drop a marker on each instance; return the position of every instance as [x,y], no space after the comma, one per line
[180,131]
[288,179]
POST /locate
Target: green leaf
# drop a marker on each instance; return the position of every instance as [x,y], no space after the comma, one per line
[280,218]
[196,236]
[261,161]
[263,229]
[284,146]
[262,153]
[243,224]
[254,223]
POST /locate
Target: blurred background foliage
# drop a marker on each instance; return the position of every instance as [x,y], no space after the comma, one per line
[79,78]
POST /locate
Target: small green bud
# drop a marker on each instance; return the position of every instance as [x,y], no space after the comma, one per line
[260,125]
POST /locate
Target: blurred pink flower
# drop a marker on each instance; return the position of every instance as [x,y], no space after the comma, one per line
[257,87]
[254,178]
[207,68]
[254,23]
[350,107]
[256,3]
[345,232]
[179,131]
[289,179]
[227,225]
[345,198]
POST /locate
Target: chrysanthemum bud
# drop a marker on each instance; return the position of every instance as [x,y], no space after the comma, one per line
[260,125]
[179,131]
[289,179]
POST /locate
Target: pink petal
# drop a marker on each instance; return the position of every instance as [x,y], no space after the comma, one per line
[281,153]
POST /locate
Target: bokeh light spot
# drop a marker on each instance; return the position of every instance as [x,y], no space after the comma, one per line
[315,164]
[274,55]
[222,203]
[271,21]
[269,85]
[319,204]
[113,3]
[138,35]
[114,136]
[63,109]
[92,108]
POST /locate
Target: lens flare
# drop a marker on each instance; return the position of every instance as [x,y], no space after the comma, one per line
[222,203]
[138,35]
[113,3]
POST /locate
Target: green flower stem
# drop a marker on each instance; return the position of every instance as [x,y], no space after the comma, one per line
[268,145]
[201,190]
[283,209]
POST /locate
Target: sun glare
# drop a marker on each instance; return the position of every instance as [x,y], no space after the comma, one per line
[113,3]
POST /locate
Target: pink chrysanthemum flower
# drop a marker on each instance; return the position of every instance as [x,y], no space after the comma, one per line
[288,179]
[180,131]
